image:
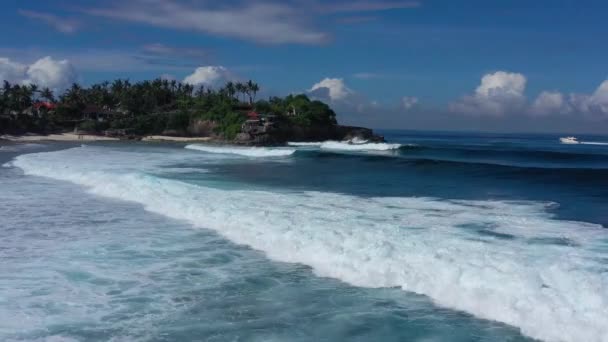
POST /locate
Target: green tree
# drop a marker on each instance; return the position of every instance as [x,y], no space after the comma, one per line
[47,94]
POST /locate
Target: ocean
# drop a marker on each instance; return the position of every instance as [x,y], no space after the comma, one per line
[431,237]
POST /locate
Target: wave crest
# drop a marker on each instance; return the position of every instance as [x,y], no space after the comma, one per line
[253,152]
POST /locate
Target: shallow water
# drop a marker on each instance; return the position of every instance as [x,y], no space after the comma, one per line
[448,238]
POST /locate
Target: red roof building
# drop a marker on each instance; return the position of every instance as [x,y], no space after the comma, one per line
[45,105]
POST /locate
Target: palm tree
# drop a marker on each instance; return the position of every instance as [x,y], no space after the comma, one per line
[240,88]
[200,93]
[23,96]
[7,87]
[188,89]
[251,88]
[74,95]
[230,89]
[33,88]
[254,89]
[47,94]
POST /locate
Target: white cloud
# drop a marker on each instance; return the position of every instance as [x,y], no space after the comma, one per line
[502,82]
[11,71]
[45,72]
[498,93]
[595,104]
[168,77]
[366,6]
[63,25]
[164,50]
[332,88]
[549,102]
[407,102]
[209,76]
[273,23]
[366,75]
[592,105]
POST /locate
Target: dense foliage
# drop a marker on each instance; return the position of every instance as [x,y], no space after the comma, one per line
[152,107]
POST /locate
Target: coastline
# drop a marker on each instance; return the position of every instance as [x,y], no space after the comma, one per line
[166,138]
[66,137]
[55,137]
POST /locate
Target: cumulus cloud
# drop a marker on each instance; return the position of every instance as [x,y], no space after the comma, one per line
[209,76]
[45,72]
[549,102]
[407,102]
[11,71]
[63,25]
[48,72]
[593,105]
[498,93]
[272,23]
[333,89]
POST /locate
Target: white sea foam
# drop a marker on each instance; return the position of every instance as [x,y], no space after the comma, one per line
[19,147]
[505,261]
[254,152]
[345,146]
[305,144]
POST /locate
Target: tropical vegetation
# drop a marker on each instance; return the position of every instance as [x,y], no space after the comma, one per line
[151,107]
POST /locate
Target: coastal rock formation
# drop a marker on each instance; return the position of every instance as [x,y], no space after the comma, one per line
[261,134]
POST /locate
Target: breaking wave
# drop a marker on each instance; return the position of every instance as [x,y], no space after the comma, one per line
[305,144]
[348,146]
[506,261]
[254,152]
[18,147]
[342,146]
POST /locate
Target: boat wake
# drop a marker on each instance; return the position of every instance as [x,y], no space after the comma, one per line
[594,143]
[575,141]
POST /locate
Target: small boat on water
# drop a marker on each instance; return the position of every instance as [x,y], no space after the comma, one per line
[569,140]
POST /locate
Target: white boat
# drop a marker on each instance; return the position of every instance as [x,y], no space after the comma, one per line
[569,140]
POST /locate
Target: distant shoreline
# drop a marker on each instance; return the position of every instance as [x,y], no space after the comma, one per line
[92,137]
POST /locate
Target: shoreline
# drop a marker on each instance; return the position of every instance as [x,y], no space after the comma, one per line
[166,138]
[55,137]
[72,137]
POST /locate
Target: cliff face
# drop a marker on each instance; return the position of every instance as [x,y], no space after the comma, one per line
[274,135]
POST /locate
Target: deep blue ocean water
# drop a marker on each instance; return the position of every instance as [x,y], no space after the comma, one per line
[446,237]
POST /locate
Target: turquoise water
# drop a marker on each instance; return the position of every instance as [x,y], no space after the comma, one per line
[445,238]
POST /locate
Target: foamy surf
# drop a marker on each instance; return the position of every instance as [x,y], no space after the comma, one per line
[18,147]
[358,145]
[305,144]
[345,146]
[253,152]
[449,251]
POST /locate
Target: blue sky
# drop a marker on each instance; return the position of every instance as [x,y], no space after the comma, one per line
[428,64]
